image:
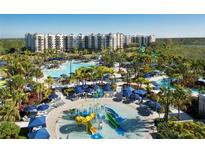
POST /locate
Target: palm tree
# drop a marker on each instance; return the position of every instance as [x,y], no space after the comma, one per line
[50,80]
[166,99]
[140,81]
[9,111]
[39,89]
[37,73]
[182,98]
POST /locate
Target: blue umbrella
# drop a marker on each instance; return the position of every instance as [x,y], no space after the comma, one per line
[43,107]
[153,105]
[140,92]
[89,90]
[30,108]
[107,87]
[95,87]
[126,93]
[84,86]
[39,134]
[37,121]
[130,88]
[78,90]
[134,97]
[52,96]
[156,88]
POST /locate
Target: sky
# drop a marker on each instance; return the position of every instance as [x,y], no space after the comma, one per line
[164,25]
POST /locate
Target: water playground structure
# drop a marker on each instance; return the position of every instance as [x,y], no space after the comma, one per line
[87,122]
[102,113]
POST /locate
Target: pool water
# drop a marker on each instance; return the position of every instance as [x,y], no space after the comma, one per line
[166,83]
[67,68]
[131,124]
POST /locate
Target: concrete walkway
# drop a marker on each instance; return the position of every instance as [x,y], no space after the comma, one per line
[53,115]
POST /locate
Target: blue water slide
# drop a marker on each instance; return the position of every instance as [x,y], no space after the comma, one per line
[117,117]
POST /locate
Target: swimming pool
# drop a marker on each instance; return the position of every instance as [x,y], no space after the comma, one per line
[67,68]
[131,124]
[166,83]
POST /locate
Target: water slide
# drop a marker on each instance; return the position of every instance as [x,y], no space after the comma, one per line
[87,121]
[117,117]
[114,120]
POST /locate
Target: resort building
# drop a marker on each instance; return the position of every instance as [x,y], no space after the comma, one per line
[51,41]
[59,42]
[94,42]
[71,43]
[80,42]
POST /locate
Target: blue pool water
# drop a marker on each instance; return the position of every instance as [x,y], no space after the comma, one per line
[166,83]
[67,68]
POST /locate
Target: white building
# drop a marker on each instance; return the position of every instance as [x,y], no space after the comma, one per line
[59,42]
[80,42]
[71,42]
[51,41]
[39,42]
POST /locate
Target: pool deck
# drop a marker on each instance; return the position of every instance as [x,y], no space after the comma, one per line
[53,115]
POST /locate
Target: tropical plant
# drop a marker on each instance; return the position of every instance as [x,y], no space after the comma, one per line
[180,130]
[50,81]
[182,98]
[9,111]
[166,99]
[9,130]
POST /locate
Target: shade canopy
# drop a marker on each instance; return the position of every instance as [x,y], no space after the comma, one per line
[89,90]
[153,105]
[30,108]
[37,121]
[127,91]
[107,87]
[95,87]
[57,58]
[156,87]
[84,87]
[78,90]
[140,92]
[52,96]
[134,97]
[39,134]
[43,107]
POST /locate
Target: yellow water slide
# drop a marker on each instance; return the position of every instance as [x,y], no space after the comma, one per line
[87,121]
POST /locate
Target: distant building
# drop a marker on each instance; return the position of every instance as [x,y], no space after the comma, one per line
[94,42]
[51,41]
[59,42]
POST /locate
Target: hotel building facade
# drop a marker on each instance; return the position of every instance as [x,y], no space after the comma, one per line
[39,42]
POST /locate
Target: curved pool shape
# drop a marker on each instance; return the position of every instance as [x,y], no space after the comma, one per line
[166,83]
[131,124]
[67,68]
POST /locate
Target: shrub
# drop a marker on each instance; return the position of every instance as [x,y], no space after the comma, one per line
[9,130]
[180,130]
